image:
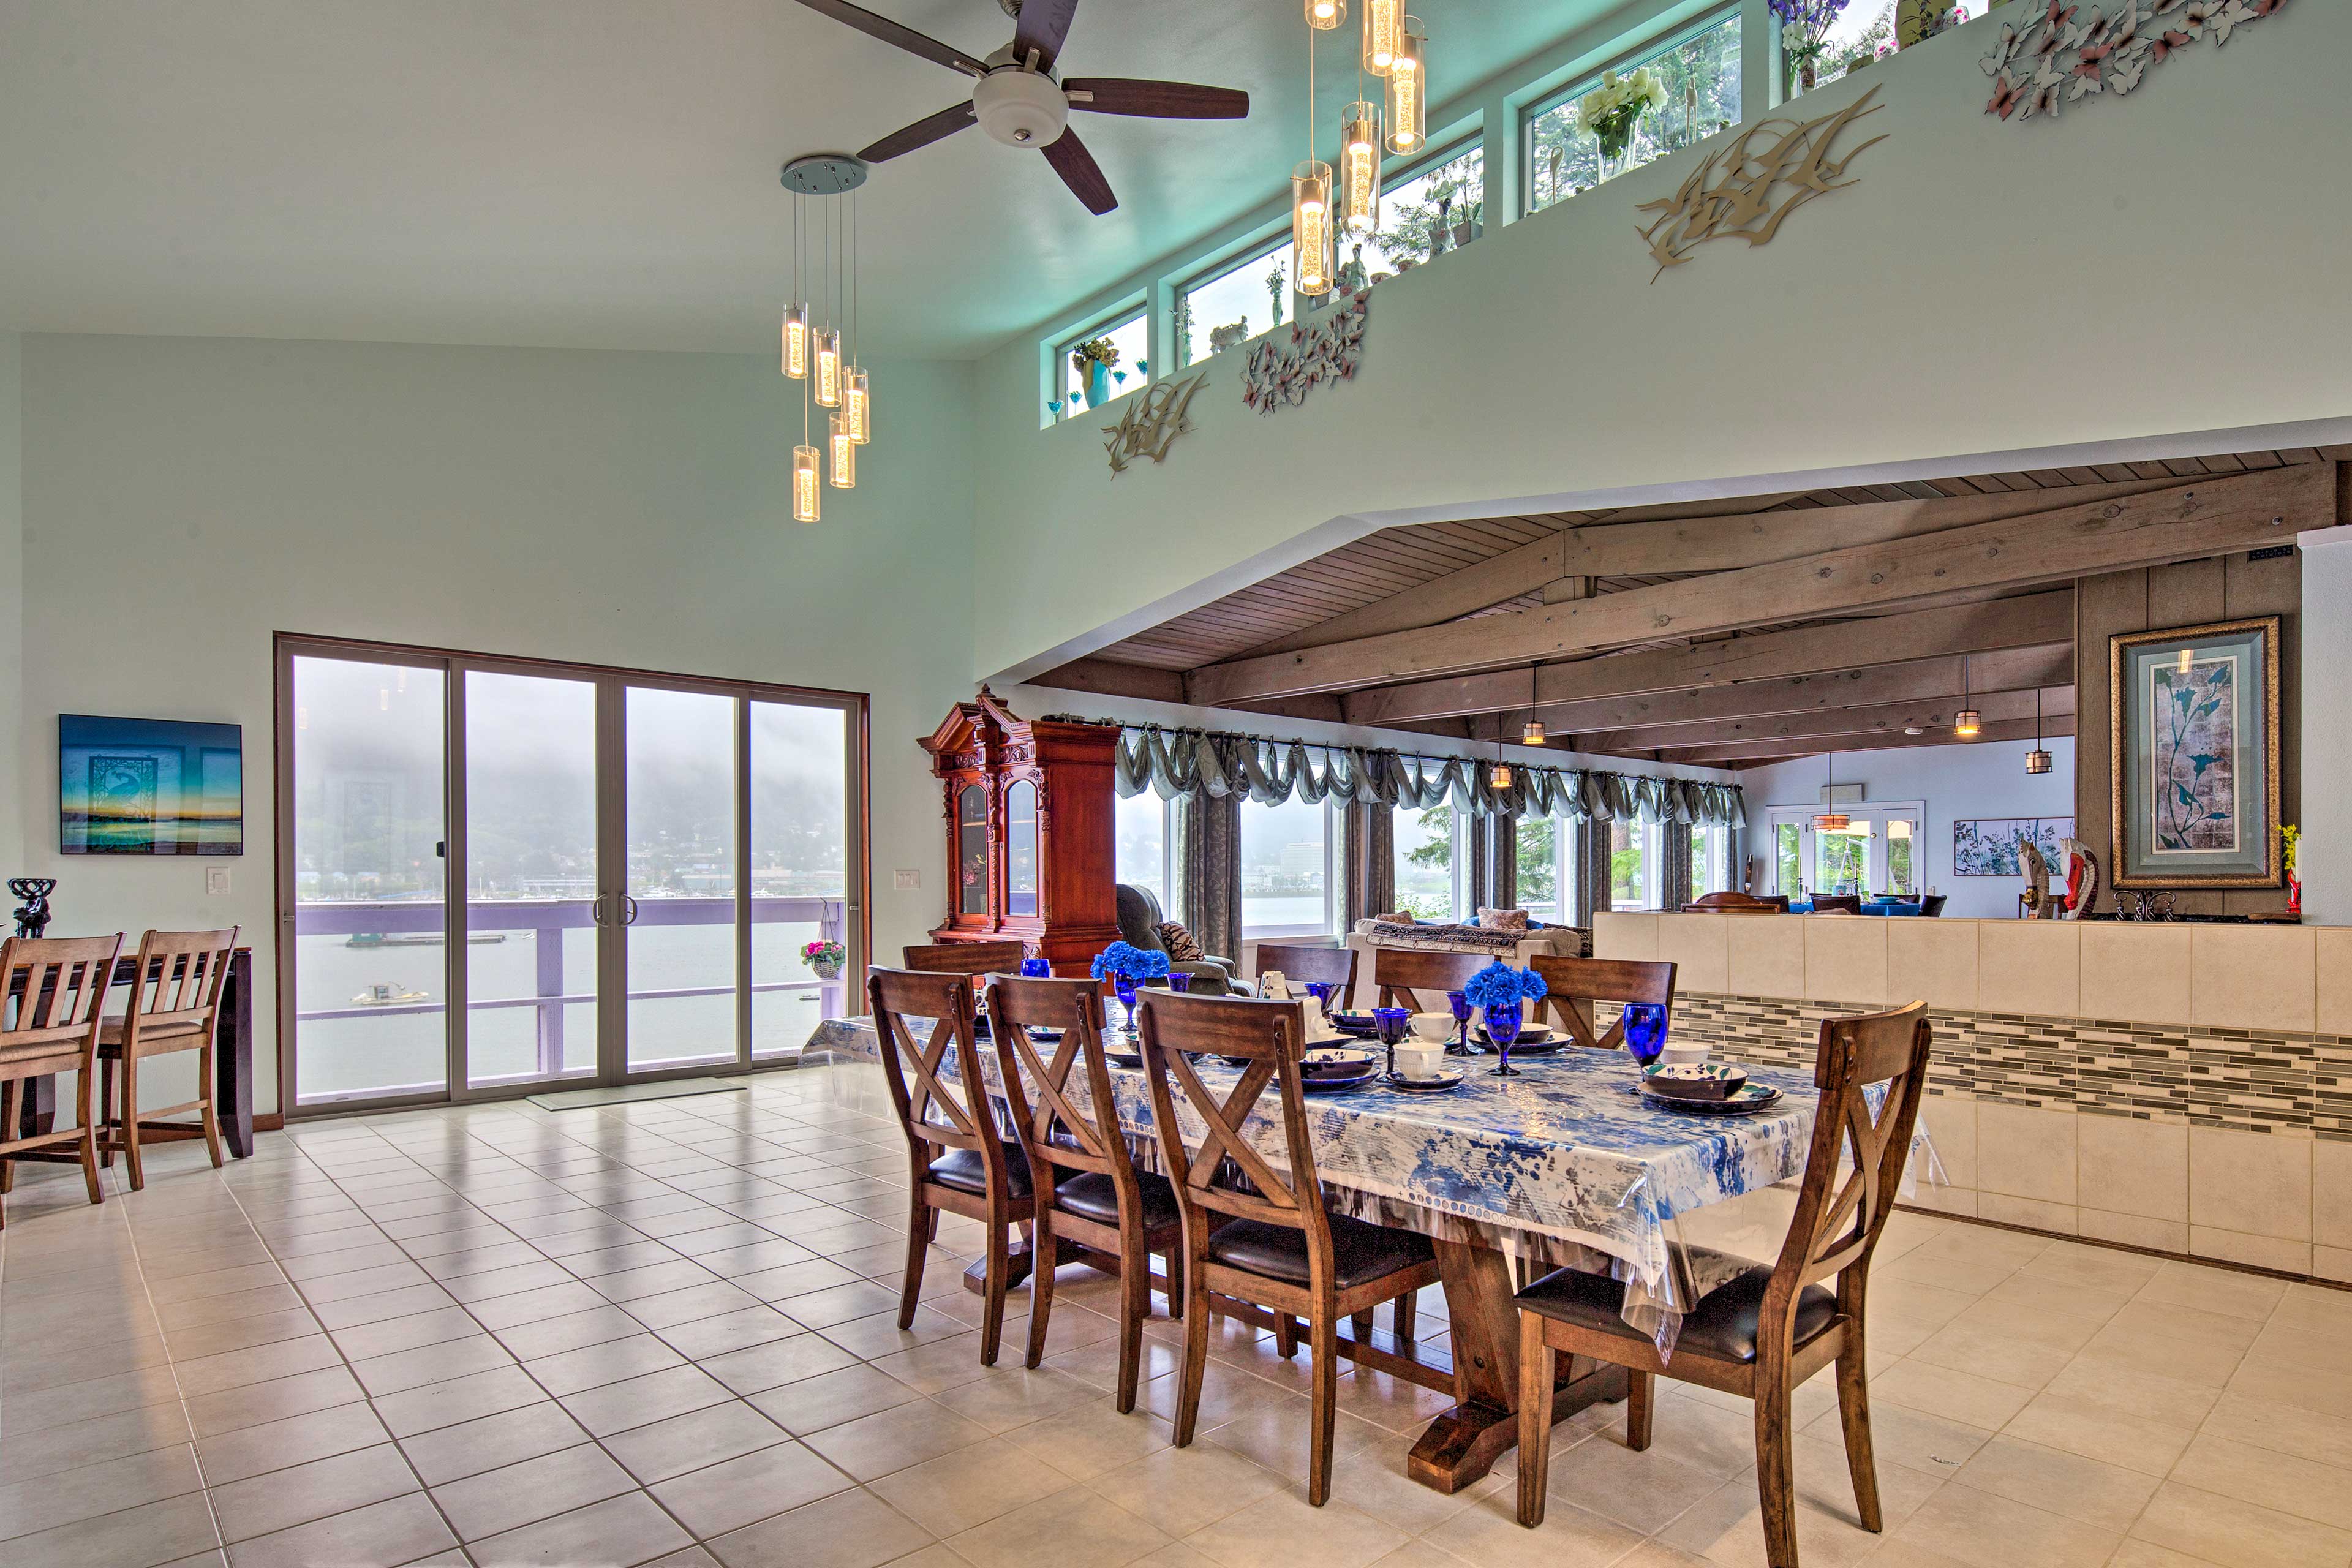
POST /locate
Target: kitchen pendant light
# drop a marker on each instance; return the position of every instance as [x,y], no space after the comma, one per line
[2037,761]
[1325,15]
[1532,732]
[842,469]
[828,368]
[1407,90]
[1968,722]
[1310,206]
[1383,32]
[854,406]
[1830,819]
[795,344]
[804,484]
[1500,776]
[1359,168]
[815,349]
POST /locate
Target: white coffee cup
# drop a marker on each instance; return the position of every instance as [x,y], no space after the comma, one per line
[1436,1027]
[1419,1059]
[1676,1056]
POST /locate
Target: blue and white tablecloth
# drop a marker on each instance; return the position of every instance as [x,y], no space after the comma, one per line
[1552,1167]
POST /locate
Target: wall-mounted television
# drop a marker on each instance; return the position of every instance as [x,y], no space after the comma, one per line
[149,786]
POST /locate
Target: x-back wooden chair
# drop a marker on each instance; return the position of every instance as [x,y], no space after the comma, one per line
[1300,965]
[59,984]
[965,957]
[174,1006]
[1273,1243]
[1422,978]
[1103,1202]
[1772,1326]
[960,1163]
[1574,984]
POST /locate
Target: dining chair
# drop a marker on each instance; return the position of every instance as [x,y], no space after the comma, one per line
[1733,902]
[175,994]
[1274,1245]
[1083,1175]
[59,984]
[1298,965]
[1409,971]
[1573,986]
[965,957]
[1769,1327]
[960,1161]
[1837,903]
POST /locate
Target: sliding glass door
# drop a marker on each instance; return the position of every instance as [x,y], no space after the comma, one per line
[645,862]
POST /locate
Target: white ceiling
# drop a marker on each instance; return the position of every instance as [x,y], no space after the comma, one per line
[602,173]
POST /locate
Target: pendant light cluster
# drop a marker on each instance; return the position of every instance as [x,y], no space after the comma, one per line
[1328,204]
[816,350]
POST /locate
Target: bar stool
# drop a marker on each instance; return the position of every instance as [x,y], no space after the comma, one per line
[174,1003]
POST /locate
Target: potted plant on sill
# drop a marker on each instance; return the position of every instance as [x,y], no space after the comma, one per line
[825,958]
[1469,223]
[1804,32]
[1611,110]
[1092,360]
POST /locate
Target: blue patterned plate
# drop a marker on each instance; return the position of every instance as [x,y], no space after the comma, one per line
[1437,1085]
[1332,1084]
[1749,1101]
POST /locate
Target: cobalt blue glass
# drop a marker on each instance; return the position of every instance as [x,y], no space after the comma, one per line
[1391,1023]
[1645,1031]
[1460,1003]
[1037,968]
[1124,988]
[1503,1033]
[1321,990]
[1179,981]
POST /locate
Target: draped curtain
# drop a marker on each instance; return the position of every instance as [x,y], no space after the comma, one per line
[1208,847]
[1502,862]
[1371,855]
[1676,890]
[1592,870]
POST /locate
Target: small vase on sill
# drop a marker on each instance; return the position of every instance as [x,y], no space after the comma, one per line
[1808,76]
[1097,384]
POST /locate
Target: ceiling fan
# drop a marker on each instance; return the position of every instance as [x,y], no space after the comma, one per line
[1016,99]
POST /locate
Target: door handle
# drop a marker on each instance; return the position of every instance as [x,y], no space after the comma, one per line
[596,909]
[629,910]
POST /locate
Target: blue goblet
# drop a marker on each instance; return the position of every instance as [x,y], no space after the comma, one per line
[1123,987]
[1460,1003]
[1323,991]
[1037,968]
[1503,1033]
[1645,1032]
[1391,1023]
[1179,982]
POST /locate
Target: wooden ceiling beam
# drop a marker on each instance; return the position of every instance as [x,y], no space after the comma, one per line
[2214,516]
[1876,722]
[1757,753]
[1108,677]
[2028,621]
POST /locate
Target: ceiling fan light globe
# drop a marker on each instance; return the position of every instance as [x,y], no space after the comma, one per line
[1020,107]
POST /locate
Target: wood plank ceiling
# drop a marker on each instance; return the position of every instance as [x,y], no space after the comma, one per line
[1334,637]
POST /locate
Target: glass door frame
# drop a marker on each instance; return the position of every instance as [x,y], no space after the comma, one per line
[1877,814]
[611,683]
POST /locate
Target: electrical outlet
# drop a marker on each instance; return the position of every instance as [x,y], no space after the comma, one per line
[906,881]
[215,879]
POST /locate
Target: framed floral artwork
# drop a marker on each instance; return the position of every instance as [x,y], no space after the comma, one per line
[2194,716]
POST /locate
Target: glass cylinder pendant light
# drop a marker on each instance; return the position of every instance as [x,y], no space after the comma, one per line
[1408,91]
[843,475]
[1383,33]
[1325,15]
[1310,228]
[1360,169]
[1968,722]
[828,369]
[804,484]
[796,343]
[2037,761]
[854,405]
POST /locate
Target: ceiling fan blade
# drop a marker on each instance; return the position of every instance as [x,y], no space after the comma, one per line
[921,133]
[1042,26]
[891,32]
[1080,172]
[1156,99]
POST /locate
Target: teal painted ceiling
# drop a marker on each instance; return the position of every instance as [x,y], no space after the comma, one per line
[602,173]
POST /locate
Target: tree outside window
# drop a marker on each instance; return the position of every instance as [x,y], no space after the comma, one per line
[1538,868]
[1424,863]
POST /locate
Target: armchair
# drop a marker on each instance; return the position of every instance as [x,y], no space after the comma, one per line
[1139,926]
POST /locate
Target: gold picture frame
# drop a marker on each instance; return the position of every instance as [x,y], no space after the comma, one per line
[2171,692]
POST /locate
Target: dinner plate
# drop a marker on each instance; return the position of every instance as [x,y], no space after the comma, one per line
[1123,1059]
[1329,1084]
[1437,1085]
[1749,1101]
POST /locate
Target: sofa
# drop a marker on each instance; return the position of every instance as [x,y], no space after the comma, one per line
[1139,920]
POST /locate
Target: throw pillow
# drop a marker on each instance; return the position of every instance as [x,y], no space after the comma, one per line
[1503,920]
[1397,917]
[1180,943]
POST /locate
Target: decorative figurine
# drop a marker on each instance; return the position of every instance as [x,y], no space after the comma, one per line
[32,914]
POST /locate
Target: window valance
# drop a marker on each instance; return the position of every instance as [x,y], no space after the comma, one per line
[1174,762]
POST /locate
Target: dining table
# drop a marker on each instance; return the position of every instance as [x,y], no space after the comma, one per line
[1564,1164]
[232,1057]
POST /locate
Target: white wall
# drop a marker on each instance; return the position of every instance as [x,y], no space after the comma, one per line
[12,601]
[1985,288]
[2324,853]
[184,499]
[1958,783]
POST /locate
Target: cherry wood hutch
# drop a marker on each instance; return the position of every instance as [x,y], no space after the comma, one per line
[1029,831]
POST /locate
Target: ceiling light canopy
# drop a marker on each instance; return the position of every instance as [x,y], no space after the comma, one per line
[820,341]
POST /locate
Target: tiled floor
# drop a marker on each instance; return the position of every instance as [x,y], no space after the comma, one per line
[665,1332]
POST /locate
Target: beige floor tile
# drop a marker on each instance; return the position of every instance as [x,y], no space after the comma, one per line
[384,1535]
[1181,1491]
[2228,1529]
[2323,1393]
[875,1446]
[619,1406]
[1086,1440]
[853,1529]
[2134,1388]
[1914,1439]
[1643,1491]
[970,1487]
[1988,1531]
[1488,1533]
[1954,1394]
[498,1501]
[2096,1493]
[1011,1396]
[1281,1530]
[2282,1429]
[620,1533]
[71,1496]
[2098,1432]
[492,1442]
[282,1498]
[2321,1493]
[742,1491]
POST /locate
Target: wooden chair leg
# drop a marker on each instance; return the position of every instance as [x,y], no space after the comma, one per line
[108,1131]
[1041,1286]
[1196,1353]
[130,1123]
[1406,1305]
[1323,1380]
[1535,1373]
[8,1115]
[1776,1481]
[211,1118]
[918,1229]
[1362,1326]
[1175,1294]
[1853,1415]
[1640,1391]
[88,1143]
[1135,1305]
[1286,1336]
[992,1320]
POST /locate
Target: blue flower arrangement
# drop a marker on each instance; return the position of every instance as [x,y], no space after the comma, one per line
[1500,985]
[1129,963]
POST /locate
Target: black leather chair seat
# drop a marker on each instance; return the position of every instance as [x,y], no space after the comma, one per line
[1090,1195]
[1360,1251]
[1722,1327]
[961,1168]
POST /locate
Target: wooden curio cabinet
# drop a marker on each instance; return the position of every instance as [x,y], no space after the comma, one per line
[1029,831]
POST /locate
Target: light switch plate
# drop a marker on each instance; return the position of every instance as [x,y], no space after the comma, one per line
[215,879]
[906,881]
